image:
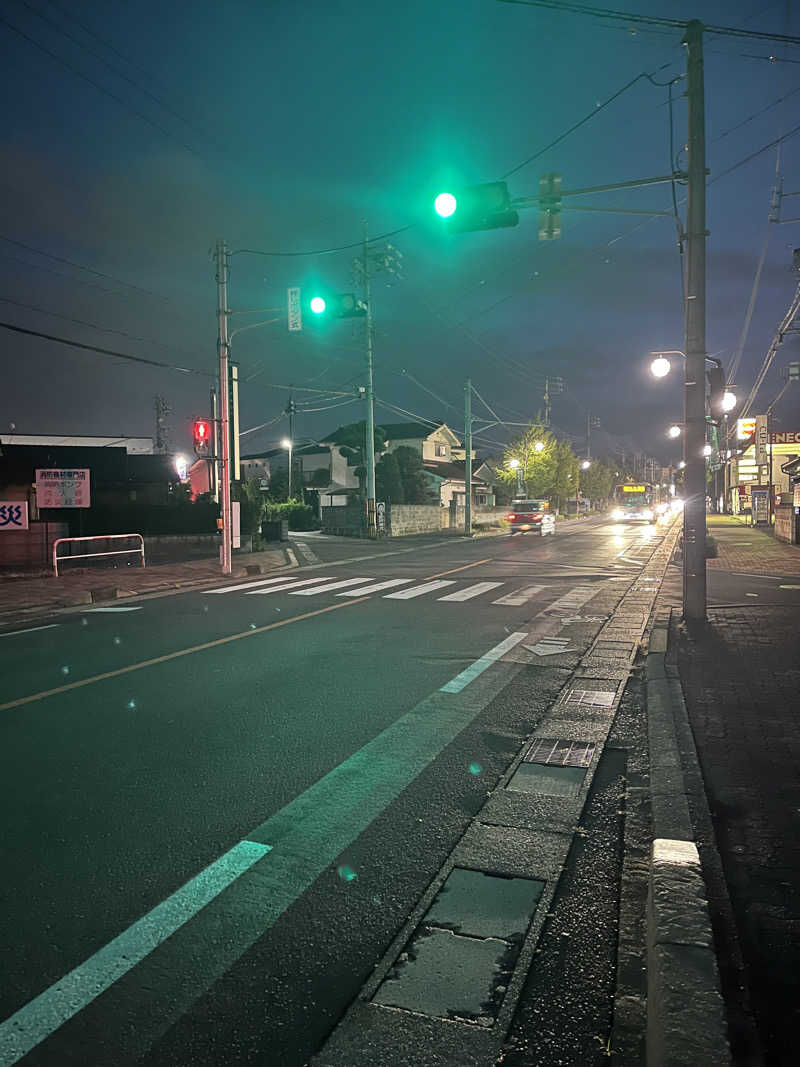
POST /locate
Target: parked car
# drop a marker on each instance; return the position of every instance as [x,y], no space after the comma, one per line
[533,515]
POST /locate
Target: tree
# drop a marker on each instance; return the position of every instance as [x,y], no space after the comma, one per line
[388,480]
[596,482]
[251,505]
[565,480]
[412,474]
[537,465]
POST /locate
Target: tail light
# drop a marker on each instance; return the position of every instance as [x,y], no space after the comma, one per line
[537,515]
[511,516]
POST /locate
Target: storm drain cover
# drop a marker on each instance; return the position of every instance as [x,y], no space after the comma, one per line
[461,956]
[559,753]
[598,698]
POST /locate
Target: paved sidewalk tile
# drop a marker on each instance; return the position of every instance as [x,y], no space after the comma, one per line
[749,550]
[741,680]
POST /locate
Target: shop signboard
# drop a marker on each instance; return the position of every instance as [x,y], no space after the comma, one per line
[13,515]
[63,488]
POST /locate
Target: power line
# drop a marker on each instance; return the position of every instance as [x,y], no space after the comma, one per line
[95,85]
[585,119]
[650,20]
[91,325]
[324,251]
[104,351]
[79,266]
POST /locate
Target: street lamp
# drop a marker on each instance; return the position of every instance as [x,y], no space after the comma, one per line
[586,464]
[660,367]
[539,446]
[707,450]
[674,430]
[729,401]
[515,465]
[287,443]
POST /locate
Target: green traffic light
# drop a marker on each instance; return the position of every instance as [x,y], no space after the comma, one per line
[445,205]
[317,305]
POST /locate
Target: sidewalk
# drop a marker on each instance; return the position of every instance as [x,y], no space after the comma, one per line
[741,681]
[748,550]
[35,595]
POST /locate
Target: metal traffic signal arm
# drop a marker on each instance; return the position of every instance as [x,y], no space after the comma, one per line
[551,192]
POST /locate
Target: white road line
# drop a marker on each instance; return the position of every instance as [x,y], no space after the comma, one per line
[293,583]
[471,591]
[292,557]
[780,587]
[244,585]
[521,596]
[455,685]
[34,1022]
[94,611]
[418,590]
[335,585]
[376,588]
[31,629]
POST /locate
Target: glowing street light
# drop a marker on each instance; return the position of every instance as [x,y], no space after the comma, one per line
[660,367]
[682,465]
[729,401]
[539,446]
[674,431]
[706,450]
[515,465]
[586,464]
[286,442]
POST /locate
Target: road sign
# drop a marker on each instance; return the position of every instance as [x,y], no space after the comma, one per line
[62,488]
[380,515]
[794,372]
[13,515]
[294,308]
[761,440]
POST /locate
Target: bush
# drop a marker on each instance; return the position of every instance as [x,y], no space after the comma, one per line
[300,516]
[712,549]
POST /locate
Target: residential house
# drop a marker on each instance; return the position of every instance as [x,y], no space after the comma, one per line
[443,457]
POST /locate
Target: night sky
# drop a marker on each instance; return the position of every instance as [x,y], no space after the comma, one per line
[280,126]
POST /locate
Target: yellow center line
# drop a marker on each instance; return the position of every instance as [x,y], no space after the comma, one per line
[455,570]
[174,655]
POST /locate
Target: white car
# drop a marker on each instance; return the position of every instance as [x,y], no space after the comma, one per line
[532,515]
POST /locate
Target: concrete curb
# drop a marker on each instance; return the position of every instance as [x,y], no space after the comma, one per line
[686,1018]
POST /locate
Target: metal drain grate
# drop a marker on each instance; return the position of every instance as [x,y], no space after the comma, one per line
[598,698]
[553,752]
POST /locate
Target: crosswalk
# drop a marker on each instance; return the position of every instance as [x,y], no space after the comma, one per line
[453,591]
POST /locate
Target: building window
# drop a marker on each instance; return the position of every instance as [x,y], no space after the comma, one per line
[441,450]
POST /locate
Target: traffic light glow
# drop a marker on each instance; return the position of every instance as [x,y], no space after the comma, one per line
[445,205]
[317,305]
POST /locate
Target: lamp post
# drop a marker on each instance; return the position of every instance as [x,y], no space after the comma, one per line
[287,443]
[515,465]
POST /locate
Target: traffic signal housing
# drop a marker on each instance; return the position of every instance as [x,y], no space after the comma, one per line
[549,207]
[476,207]
[201,436]
[326,305]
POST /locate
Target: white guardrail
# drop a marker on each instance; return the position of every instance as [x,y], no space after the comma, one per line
[139,550]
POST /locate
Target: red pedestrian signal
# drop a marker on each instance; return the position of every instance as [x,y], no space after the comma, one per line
[201,436]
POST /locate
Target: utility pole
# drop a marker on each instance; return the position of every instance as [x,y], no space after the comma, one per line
[694,512]
[162,433]
[223,345]
[468,460]
[213,468]
[369,396]
[547,402]
[290,410]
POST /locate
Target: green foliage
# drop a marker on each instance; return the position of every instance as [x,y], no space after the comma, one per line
[412,474]
[299,516]
[597,482]
[565,480]
[538,467]
[388,480]
[352,440]
[279,483]
[251,505]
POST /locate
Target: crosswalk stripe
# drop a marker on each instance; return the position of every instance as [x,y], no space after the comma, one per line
[294,583]
[471,591]
[333,585]
[418,590]
[245,585]
[521,596]
[375,588]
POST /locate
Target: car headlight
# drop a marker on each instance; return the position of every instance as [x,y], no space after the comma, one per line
[617,513]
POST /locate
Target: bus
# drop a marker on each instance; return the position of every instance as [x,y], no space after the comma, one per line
[633,502]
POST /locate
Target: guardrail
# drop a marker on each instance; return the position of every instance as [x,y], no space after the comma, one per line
[96,555]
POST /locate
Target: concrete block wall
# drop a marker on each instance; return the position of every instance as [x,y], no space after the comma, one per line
[406,519]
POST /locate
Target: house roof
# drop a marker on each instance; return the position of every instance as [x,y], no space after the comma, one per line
[413,431]
[451,472]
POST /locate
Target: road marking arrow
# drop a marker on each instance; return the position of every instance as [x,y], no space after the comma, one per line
[550,646]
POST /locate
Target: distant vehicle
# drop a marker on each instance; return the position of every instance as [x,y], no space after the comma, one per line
[533,515]
[633,502]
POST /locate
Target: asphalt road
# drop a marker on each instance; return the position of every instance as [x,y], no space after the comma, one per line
[220,806]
